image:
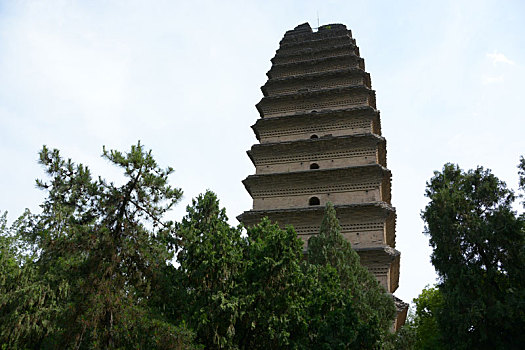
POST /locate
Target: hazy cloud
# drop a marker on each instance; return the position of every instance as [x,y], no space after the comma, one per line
[498,57]
[492,79]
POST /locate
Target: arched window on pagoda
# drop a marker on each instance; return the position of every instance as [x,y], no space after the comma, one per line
[314,166]
[314,201]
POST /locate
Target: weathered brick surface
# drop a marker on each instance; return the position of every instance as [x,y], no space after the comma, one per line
[327,152]
[359,120]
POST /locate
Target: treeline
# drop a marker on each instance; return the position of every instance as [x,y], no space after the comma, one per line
[102,268]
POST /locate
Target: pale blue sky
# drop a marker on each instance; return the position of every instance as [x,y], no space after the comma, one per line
[183,77]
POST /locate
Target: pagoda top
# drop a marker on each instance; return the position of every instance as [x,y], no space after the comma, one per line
[305,30]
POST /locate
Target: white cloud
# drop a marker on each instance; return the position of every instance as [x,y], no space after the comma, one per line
[498,57]
[492,79]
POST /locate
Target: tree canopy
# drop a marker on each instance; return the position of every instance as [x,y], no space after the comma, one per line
[478,244]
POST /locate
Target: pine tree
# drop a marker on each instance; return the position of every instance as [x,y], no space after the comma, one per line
[373,304]
[95,252]
[211,263]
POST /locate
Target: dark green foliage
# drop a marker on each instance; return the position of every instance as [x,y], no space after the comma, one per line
[8,259]
[479,254]
[258,292]
[95,252]
[14,278]
[521,173]
[210,263]
[333,316]
[274,296]
[239,292]
[374,306]
[423,323]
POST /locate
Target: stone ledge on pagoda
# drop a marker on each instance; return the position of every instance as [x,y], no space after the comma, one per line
[321,55]
[318,101]
[357,184]
[315,38]
[357,120]
[321,153]
[318,81]
[316,66]
[324,37]
[363,225]
[308,54]
[383,263]
[316,44]
[402,311]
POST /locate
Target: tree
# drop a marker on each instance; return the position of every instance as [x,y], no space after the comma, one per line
[373,304]
[478,246]
[8,259]
[95,252]
[424,321]
[211,263]
[521,172]
[275,290]
[239,292]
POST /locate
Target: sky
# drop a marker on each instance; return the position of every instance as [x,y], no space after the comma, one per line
[183,78]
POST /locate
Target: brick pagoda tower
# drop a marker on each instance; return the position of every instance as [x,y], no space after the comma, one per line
[320,140]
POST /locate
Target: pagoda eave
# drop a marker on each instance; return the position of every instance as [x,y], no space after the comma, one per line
[318,112]
[364,111]
[315,61]
[317,146]
[276,72]
[350,71]
[326,139]
[308,51]
[356,112]
[317,174]
[316,93]
[253,216]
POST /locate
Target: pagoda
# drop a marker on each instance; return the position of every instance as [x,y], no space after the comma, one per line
[320,141]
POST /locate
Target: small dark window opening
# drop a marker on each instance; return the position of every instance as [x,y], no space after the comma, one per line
[314,201]
[314,136]
[314,166]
